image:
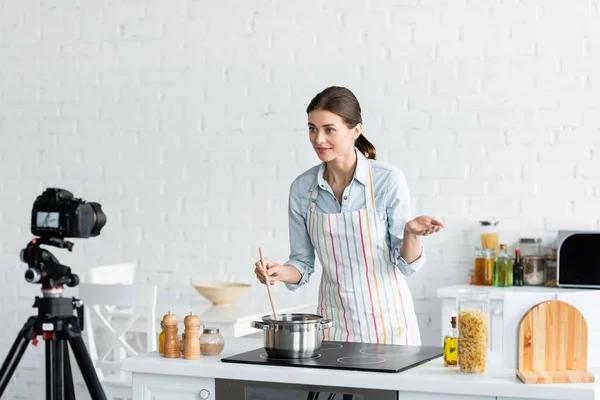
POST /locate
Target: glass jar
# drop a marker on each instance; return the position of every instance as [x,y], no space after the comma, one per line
[530,247]
[483,274]
[211,342]
[473,331]
[489,235]
[551,278]
[534,271]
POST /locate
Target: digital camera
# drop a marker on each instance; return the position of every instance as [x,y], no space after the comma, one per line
[56,213]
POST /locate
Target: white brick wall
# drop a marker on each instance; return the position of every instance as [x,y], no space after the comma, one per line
[185,120]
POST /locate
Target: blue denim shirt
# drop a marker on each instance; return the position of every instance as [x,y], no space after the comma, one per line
[391,195]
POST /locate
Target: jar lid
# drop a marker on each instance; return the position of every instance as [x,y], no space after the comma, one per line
[492,222]
[485,252]
[211,330]
[530,240]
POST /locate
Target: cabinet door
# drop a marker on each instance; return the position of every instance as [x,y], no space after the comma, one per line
[157,387]
[438,396]
[512,398]
[496,325]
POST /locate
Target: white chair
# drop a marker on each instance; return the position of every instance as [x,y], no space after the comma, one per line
[140,300]
[122,273]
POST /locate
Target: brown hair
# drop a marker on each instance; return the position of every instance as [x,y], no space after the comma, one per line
[342,102]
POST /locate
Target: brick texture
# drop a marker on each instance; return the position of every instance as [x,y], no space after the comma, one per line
[185,120]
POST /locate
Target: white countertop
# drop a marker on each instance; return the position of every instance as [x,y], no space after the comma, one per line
[497,293]
[431,377]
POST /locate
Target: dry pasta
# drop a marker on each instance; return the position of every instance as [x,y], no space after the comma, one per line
[490,241]
[473,339]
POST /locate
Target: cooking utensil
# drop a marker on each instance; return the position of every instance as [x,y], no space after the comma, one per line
[267,281]
[292,335]
[553,345]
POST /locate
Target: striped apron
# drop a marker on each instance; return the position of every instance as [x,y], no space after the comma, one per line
[361,291]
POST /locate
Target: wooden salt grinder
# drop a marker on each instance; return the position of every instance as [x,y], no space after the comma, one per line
[191,344]
[172,348]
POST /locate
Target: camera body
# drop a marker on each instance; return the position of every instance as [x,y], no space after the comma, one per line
[56,213]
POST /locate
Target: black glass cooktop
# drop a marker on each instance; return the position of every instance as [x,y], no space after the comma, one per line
[349,355]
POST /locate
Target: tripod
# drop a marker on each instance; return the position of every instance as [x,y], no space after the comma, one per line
[57,324]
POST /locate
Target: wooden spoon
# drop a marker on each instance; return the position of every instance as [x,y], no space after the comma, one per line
[267,281]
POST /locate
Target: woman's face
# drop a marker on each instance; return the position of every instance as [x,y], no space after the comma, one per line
[329,135]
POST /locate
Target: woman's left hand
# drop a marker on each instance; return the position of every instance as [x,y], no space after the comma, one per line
[423,226]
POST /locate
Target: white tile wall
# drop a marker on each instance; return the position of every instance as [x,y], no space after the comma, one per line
[185,120]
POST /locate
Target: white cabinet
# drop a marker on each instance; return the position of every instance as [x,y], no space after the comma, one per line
[513,398]
[165,387]
[438,396]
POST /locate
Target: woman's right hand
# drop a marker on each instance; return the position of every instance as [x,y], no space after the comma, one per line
[273,270]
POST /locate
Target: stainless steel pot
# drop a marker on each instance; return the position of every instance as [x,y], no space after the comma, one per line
[292,335]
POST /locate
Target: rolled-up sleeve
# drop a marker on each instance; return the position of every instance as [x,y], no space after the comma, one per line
[399,213]
[302,252]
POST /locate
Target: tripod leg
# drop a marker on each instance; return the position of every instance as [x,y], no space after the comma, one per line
[68,373]
[25,335]
[54,369]
[84,361]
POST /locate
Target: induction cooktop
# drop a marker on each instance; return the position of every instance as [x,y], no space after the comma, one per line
[349,355]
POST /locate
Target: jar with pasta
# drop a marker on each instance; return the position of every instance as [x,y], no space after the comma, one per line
[489,235]
[473,331]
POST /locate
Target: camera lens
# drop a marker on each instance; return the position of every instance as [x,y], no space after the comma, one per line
[99,218]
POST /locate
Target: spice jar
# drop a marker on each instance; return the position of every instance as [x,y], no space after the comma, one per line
[483,274]
[473,331]
[211,342]
[534,271]
[550,274]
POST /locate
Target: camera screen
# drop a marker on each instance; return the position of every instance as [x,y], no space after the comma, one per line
[47,219]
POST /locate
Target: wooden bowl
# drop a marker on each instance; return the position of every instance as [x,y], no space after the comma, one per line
[221,293]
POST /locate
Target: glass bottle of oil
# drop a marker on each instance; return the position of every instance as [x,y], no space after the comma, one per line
[503,268]
[450,345]
[161,338]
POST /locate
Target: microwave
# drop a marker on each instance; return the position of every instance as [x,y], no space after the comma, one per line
[578,259]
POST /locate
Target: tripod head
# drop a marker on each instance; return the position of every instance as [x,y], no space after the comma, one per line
[44,268]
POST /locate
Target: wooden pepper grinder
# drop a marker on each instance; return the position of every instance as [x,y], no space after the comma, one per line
[191,344]
[171,346]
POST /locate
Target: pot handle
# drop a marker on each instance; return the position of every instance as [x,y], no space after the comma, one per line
[260,325]
[325,324]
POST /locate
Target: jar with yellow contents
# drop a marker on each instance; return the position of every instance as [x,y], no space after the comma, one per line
[483,274]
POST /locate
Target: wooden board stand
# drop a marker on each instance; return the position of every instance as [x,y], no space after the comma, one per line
[553,345]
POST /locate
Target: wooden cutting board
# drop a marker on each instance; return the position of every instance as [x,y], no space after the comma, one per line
[553,345]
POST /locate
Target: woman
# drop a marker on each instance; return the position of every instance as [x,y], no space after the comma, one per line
[355,213]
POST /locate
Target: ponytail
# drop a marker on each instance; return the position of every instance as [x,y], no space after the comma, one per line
[365,147]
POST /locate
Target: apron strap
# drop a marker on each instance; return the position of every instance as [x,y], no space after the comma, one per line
[369,194]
